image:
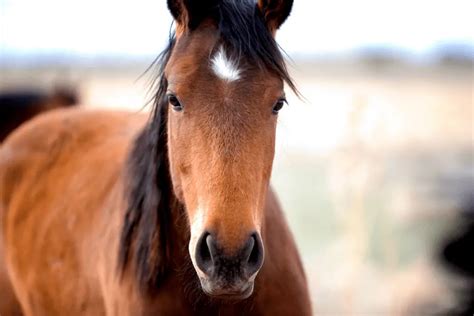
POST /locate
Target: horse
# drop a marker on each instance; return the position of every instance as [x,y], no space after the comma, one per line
[172,213]
[18,106]
[453,255]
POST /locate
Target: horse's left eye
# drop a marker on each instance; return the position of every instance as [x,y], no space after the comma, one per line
[278,105]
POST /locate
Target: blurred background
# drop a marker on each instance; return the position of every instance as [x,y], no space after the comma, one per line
[374,165]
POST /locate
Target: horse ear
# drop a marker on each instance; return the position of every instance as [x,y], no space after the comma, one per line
[190,13]
[274,12]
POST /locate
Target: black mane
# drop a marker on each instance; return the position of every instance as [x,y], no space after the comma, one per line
[148,193]
[144,240]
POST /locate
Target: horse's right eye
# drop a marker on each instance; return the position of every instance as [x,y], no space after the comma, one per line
[173,100]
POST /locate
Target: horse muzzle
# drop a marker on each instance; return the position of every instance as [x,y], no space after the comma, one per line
[228,276]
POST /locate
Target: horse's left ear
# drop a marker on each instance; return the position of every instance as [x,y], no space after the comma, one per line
[275,12]
[188,14]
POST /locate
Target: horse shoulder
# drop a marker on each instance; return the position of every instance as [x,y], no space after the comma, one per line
[52,140]
[9,304]
[281,285]
[60,188]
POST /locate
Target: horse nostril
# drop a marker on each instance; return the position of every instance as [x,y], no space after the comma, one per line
[254,254]
[203,253]
[249,249]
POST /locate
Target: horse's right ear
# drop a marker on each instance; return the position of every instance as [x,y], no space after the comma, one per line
[274,12]
[188,14]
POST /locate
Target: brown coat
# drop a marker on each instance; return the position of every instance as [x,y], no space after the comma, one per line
[62,208]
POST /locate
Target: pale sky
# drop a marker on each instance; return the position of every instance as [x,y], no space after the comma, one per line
[140,27]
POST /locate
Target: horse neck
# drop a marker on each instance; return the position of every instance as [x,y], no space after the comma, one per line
[179,231]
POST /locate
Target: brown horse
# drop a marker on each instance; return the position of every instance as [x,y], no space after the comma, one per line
[110,214]
[17,107]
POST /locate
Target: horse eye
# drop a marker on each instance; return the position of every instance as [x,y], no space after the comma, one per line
[173,100]
[278,105]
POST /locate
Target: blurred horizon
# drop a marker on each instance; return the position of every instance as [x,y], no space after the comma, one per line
[65,31]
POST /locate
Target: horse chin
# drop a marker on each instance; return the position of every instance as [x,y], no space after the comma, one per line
[227,292]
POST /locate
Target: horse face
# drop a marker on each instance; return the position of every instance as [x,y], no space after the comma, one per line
[221,136]
[221,139]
